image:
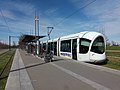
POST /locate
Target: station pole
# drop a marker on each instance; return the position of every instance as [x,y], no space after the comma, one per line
[36,31]
[9,42]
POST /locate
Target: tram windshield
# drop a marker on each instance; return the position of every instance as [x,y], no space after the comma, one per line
[98,45]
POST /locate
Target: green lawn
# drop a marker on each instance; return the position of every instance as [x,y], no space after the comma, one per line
[113,51]
[113,63]
[5,60]
[113,48]
[113,56]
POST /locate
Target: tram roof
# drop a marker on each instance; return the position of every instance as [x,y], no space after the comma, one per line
[86,34]
[71,36]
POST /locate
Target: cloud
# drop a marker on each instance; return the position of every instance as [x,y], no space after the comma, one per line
[19,15]
[51,11]
[8,14]
[79,3]
[103,10]
[3,26]
[18,7]
[112,28]
[25,8]
[23,25]
[102,13]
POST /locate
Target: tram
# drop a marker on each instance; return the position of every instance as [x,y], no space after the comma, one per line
[84,46]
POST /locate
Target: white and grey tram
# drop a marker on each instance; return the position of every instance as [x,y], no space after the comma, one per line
[83,46]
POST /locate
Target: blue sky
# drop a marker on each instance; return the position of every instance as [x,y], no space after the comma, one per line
[100,15]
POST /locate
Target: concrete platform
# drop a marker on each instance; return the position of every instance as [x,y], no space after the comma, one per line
[18,78]
[29,72]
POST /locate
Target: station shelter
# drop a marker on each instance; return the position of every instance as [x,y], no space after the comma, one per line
[30,43]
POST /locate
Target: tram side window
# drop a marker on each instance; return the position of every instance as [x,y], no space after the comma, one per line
[44,46]
[55,48]
[84,45]
[66,46]
[51,46]
[48,47]
[98,45]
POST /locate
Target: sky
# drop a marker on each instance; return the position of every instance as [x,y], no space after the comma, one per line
[66,16]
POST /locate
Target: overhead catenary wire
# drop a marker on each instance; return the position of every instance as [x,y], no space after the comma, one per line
[74,12]
[5,21]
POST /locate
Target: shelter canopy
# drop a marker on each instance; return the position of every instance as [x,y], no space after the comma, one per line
[30,38]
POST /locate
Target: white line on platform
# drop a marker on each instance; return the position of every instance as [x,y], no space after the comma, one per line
[81,78]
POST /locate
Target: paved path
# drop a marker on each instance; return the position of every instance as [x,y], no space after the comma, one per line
[62,74]
[3,50]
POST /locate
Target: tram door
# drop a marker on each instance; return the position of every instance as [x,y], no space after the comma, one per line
[55,48]
[74,49]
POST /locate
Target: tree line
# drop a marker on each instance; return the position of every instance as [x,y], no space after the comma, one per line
[3,46]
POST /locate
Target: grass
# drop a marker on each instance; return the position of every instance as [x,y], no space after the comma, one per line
[5,60]
[113,57]
[113,51]
[113,63]
[113,48]
[115,54]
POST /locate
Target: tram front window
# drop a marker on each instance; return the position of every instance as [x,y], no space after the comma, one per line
[84,45]
[98,45]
